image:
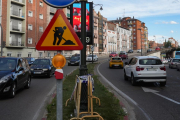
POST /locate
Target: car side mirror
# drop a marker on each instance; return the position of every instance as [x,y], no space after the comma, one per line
[126,63]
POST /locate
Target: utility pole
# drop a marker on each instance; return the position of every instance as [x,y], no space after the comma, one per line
[141,40]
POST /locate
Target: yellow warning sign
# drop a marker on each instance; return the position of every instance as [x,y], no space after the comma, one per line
[59,35]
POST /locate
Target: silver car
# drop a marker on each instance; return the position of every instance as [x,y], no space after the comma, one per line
[173,63]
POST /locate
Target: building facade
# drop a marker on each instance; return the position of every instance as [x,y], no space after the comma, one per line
[139,32]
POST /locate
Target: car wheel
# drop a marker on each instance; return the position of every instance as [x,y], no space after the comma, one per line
[162,83]
[68,64]
[125,76]
[27,86]
[109,67]
[169,66]
[133,81]
[177,69]
[49,75]
[13,91]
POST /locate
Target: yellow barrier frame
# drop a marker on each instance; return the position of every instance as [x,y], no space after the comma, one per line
[77,98]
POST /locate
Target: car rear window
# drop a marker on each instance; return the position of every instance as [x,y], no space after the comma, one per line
[113,53]
[150,62]
[176,60]
[122,53]
[116,58]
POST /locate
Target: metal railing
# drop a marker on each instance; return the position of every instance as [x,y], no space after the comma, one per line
[17,28]
[20,1]
[17,13]
[16,43]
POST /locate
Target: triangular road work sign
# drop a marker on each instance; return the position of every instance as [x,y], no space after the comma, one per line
[59,35]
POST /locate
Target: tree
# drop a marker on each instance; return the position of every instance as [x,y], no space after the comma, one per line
[167,44]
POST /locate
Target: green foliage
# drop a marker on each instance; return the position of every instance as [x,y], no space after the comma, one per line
[110,108]
[167,44]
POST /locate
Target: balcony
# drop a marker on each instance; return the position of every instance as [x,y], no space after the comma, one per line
[124,39]
[22,2]
[17,29]
[17,14]
[16,44]
[129,23]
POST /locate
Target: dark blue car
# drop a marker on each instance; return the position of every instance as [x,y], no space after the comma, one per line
[42,67]
[14,74]
[30,60]
[74,60]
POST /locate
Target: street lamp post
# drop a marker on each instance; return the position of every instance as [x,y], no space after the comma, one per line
[141,40]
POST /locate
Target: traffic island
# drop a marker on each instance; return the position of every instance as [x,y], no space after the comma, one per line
[110,108]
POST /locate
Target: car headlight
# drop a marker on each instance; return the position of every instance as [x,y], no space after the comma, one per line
[76,61]
[32,69]
[45,69]
[5,78]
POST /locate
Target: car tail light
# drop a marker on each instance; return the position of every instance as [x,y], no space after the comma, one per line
[163,68]
[139,69]
[171,63]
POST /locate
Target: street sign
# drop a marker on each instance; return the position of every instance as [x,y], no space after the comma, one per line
[92,48]
[59,3]
[59,35]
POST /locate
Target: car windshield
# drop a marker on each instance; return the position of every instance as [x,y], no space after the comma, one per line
[116,58]
[176,60]
[113,53]
[7,64]
[41,62]
[91,55]
[75,58]
[150,62]
[122,53]
[28,59]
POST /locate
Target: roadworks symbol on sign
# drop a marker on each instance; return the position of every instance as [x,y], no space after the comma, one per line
[59,35]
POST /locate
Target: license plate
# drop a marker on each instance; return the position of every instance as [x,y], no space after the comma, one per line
[37,72]
[151,69]
[116,65]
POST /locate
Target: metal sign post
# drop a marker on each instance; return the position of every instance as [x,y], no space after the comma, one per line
[92,49]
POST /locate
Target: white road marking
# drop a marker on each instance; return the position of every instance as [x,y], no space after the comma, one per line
[155,92]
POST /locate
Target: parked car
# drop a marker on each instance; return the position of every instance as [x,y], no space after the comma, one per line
[130,51]
[164,61]
[14,74]
[157,48]
[123,55]
[145,69]
[149,50]
[116,62]
[74,60]
[42,67]
[173,62]
[30,60]
[113,54]
[90,57]
[139,50]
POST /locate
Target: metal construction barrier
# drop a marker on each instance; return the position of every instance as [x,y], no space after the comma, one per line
[77,95]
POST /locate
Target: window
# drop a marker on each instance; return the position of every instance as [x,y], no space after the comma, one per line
[134,25]
[134,37]
[40,54]
[41,16]
[55,54]
[124,24]
[30,13]
[29,40]
[40,29]
[150,62]
[41,4]
[19,55]
[29,27]
[49,54]
[134,29]
[134,21]
[29,54]
[134,33]
[30,1]
[8,54]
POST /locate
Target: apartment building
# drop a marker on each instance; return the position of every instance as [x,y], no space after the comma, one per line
[24,22]
[123,39]
[111,37]
[152,44]
[138,29]
[174,43]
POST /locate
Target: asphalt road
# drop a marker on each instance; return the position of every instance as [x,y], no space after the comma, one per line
[149,100]
[29,104]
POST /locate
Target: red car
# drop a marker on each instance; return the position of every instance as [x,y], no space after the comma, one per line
[113,54]
[123,55]
[157,48]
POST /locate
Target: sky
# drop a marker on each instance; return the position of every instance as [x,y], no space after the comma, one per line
[161,17]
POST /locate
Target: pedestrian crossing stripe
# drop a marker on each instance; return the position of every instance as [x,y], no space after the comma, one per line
[59,35]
